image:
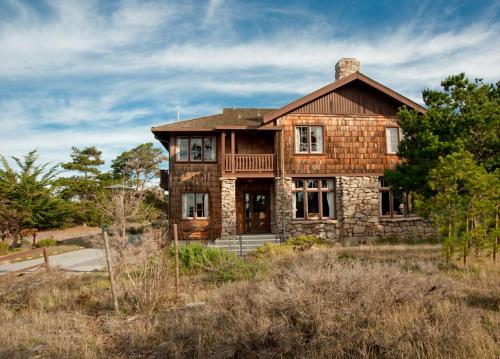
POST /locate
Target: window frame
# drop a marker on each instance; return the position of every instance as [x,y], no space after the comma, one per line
[195,214]
[407,199]
[320,190]
[189,138]
[400,137]
[309,152]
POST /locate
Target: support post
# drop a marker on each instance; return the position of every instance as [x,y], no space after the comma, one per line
[110,268]
[282,165]
[233,150]
[223,150]
[46,259]
[176,248]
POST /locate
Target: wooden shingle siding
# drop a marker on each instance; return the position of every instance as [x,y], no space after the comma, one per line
[353,99]
[353,145]
[195,178]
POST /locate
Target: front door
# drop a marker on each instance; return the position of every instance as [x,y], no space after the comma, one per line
[257,212]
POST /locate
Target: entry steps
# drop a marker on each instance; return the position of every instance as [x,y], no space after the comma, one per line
[244,244]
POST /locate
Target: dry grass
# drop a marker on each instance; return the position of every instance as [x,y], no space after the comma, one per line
[371,302]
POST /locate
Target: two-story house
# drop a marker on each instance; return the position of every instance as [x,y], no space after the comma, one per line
[314,166]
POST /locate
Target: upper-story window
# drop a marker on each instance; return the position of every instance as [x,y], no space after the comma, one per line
[393,135]
[309,139]
[196,148]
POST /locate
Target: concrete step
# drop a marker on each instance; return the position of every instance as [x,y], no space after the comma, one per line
[247,244]
[251,242]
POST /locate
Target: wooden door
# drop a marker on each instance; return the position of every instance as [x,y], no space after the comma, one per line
[257,212]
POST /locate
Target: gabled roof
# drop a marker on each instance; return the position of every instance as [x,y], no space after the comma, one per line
[229,118]
[337,84]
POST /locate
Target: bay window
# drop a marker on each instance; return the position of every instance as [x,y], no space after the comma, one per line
[309,139]
[194,205]
[313,199]
[196,149]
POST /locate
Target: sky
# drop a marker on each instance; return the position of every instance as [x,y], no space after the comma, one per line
[101,73]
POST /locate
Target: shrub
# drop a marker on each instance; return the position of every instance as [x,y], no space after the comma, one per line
[47,242]
[346,257]
[218,265]
[4,248]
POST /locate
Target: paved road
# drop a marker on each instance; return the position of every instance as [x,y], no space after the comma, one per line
[83,260]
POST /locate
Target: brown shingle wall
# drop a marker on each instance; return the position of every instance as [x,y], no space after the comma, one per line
[352,145]
[199,178]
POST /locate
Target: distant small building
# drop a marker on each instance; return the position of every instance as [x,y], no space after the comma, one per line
[314,166]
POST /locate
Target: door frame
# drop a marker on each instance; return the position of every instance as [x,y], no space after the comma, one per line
[247,225]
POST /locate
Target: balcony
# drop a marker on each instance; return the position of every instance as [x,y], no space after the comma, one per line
[259,163]
[249,154]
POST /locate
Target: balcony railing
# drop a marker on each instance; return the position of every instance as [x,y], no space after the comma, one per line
[250,162]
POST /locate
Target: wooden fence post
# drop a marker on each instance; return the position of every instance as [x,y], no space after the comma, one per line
[110,268]
[176,249]
[46,259]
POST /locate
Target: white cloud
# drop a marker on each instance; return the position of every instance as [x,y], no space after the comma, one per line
[110,73]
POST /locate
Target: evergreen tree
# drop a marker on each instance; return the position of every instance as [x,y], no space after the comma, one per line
[464,115]
[27,196]
[138,166]
[83,188]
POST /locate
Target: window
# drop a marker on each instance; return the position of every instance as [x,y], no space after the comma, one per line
[313,198]
[393,204]
[309,139]
[393,135]
[194,205]
[209,149]
[196,149]
[182,149]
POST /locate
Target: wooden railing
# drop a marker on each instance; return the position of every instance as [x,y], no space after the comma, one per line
[251,162]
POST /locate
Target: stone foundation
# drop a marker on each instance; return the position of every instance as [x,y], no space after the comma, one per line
[228,196]
[358,213]
[406,227]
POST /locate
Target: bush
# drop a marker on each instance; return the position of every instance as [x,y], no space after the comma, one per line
[4,248]
[47,242]
[218,265]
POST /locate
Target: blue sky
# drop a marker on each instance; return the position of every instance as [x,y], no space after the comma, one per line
[79,73]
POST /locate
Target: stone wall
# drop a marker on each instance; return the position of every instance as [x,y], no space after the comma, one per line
[228,197]
[406,227]
[325,229]
[358,199]
[358,217]
[283,205]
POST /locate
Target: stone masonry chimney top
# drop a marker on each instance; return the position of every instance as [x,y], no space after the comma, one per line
[346,66]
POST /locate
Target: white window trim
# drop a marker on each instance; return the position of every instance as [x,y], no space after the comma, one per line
[195,214]
[388,139]
[309,144]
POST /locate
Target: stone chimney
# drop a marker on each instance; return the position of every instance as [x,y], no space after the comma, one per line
[346,66]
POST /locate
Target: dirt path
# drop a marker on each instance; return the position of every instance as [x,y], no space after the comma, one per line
[68,233]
